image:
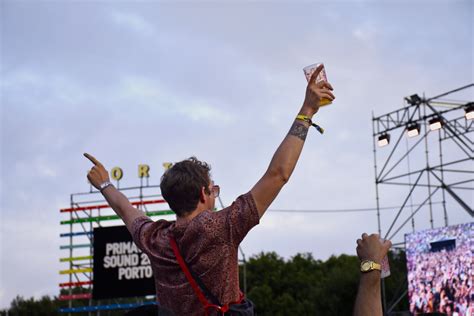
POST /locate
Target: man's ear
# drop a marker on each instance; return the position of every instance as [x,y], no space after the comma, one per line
[203,195]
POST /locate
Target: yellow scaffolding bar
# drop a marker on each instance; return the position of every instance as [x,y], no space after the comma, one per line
[75,258]
[75,271]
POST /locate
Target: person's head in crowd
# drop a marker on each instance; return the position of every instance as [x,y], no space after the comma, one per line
[448,309]
[430,296]
[186,184]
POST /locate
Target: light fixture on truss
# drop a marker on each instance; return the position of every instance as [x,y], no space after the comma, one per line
[413,99]
[384,140]
[469,111]
[435,123]
[413,129]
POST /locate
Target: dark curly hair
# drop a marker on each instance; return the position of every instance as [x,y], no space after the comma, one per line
[181,184]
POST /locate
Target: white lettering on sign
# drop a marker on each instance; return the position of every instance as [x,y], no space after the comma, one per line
[120,248]
[135,273]
[130,261]
[121,261]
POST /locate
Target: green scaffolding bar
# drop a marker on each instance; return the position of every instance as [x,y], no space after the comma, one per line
[111,217]
[75,258]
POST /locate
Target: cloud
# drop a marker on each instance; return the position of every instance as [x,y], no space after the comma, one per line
[365,32]
[150,93]
[203,111]
[55,91]
[28,87]
[18,78]
[133,22]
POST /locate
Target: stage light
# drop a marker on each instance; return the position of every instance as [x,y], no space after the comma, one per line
[413,99]
[435,124]
[469,111]
[384,139]
[413,130]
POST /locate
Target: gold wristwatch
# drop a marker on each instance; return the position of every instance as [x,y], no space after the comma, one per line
[368,265]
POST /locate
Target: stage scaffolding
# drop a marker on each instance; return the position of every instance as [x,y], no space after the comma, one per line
[426,150]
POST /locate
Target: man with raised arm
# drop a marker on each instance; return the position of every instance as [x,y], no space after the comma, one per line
[208,241]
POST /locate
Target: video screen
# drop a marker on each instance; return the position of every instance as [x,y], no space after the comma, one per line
[440,270]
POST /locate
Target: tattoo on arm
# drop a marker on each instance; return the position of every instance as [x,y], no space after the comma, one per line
[299,130]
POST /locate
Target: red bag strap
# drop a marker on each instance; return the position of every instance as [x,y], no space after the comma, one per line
[202,298]
[188,275]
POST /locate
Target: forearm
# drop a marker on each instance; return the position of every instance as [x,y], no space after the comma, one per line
[281,166]
[286,156]
[369,300]
[121,205]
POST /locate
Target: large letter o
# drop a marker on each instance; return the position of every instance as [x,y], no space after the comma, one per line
[116,173]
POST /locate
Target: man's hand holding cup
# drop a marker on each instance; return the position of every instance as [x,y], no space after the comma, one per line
[316,92]
[372,251]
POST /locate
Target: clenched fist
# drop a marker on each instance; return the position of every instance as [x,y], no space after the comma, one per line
[98,174]
[372,248]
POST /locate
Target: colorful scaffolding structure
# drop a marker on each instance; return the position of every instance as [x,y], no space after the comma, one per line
[87,211]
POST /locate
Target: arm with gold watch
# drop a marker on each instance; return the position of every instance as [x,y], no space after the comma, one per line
[369,265]
[370,251]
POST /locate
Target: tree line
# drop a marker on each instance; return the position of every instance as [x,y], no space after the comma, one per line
[305,286]
[300,285]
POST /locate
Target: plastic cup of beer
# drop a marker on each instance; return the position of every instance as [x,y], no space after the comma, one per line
[308,72]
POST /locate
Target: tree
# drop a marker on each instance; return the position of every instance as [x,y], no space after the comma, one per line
[305,286]
[45,306]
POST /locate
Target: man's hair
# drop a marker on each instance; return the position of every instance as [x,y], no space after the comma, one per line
[181,184]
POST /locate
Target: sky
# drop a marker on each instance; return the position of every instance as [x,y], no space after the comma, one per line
[135,82]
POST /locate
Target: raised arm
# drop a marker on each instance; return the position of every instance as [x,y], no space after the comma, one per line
[369,299]
[284,160]
[99,177]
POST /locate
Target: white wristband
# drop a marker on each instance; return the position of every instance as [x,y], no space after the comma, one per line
[104,185]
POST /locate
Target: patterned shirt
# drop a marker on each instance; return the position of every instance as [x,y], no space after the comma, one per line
[209,245]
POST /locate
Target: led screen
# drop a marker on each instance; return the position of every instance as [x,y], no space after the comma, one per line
[440,270]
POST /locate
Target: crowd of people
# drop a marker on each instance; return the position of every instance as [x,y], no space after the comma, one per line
[441,280]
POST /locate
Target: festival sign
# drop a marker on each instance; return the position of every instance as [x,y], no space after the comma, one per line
[120,268]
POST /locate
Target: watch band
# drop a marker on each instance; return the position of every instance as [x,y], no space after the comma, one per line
[104,185]
[369,265]
[376,266]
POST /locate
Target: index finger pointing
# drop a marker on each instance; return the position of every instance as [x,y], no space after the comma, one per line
[92,159]
[315,74]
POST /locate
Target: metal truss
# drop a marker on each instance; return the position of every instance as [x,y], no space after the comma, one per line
[447,173]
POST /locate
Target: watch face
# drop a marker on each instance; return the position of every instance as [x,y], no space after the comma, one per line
[365,266]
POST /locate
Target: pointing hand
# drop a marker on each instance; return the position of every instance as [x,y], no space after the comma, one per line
[98,174]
